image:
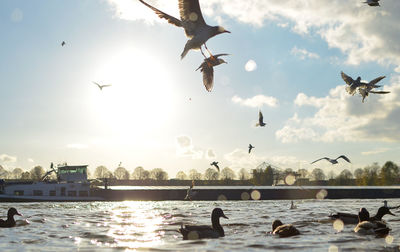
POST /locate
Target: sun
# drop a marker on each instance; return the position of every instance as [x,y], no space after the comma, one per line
[141,96]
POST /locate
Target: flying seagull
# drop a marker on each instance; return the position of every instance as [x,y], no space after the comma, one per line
[372,2]
[193,22]
[250,147]
[215,164]
[63,43]
[207,68]
[365,91]
[101,86]
[260,120]
[354,84]
[333,161]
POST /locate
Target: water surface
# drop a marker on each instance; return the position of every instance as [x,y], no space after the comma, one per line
[150,225]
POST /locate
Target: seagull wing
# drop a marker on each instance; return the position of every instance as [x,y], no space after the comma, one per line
[106,86]
[260,118]
[319,160]
[160,14]
[191,16]
[376,80]
[208,77]
[97,84]
[347,78]
[380,92]
[219,55]
[344,157]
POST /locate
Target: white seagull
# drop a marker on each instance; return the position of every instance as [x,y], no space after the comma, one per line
[101,86]
[354,84]
[207,68]
[193,22]
[333,161]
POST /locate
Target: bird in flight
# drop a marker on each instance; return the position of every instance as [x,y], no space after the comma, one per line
[260,120]
[193,23]
[333,161]
[207,68]
[63,43]
[215,164]
[101,86]
[354,84]
[250,147]
[365,91]
[372,2]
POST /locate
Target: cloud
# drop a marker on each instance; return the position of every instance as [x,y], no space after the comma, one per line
[342,117]
[185,148]
[210,154]
[31,160]
[303,53]
[362,34]
[256,101]
[376,151]
[77,146]
[7,158]
[250,66]
[17,15]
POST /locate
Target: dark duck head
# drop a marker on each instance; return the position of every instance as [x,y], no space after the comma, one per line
[190,232]
[382,211]
[363,215]
[283,230]
[10,222]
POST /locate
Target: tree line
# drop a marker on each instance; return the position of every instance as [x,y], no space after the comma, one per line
[264,174]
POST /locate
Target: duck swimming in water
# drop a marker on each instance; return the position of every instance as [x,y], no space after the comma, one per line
[191,232]
[367,226]
[10,222]
[348,218]
[283,230]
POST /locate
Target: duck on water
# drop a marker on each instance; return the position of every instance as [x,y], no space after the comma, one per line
[366,226]
[192,232]
[10,222]
[348,218]
[284,230]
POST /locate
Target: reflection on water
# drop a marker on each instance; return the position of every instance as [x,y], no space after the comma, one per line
[138,225]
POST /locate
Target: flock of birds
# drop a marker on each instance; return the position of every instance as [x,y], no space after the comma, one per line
[198,32]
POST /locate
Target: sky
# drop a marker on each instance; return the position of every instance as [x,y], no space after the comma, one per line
[285,60]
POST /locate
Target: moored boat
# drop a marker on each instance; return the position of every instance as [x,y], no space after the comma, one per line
[71,185]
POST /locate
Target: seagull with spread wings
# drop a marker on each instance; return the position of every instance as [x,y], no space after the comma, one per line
[63,43]
[250,148]
[260,120]
[193,23]
[333,161]
[215,164]
[101,86]
[372,2]
[354,84]
[365,91]
[207,68]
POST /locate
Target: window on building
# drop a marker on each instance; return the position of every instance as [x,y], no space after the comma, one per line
[62,191]
[72,193]
[83,193]
[19,192]
[37,193]
[52,193]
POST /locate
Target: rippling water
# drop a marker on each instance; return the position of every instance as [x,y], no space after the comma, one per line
[134,225]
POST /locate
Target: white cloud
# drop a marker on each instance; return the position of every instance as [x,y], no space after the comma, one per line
[250,66]
[373,152]
[256,101]
[17,15]
[7,158]
[77,146]
[363,34]
[210,154]
[303,53]
[185,148]
[341,117]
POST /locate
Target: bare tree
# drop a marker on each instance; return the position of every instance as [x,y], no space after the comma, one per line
[16,173]
[303,173]
[227,174]
[181,176]
[140,173]
[194,174]
[102,172]
[211,174]
[243,174]
[318,174]
[158,174]
[121,173]
[4,173]
[37,173]
[26,175]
